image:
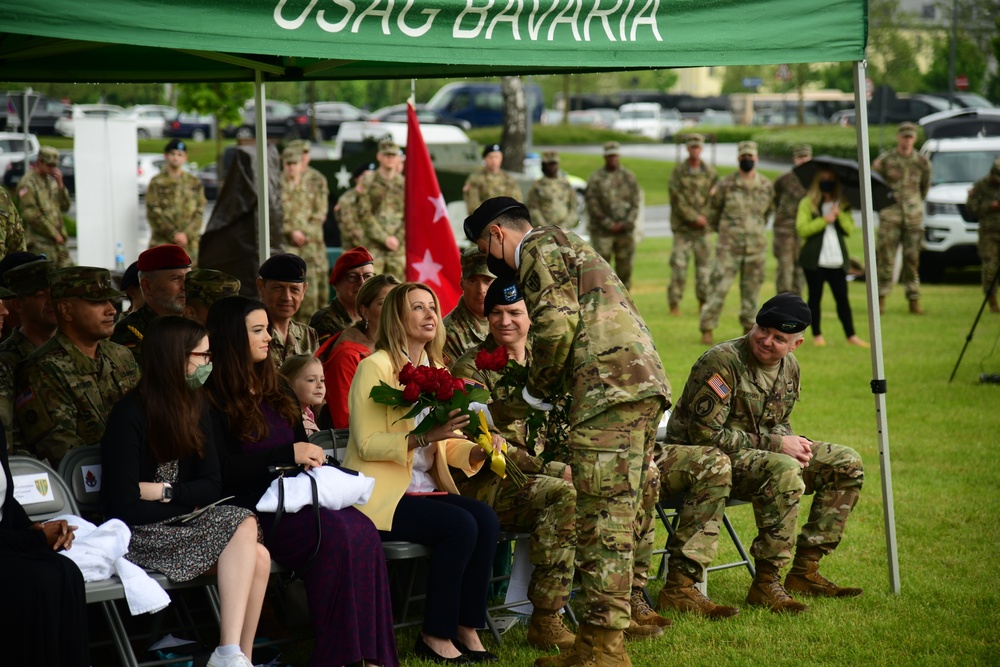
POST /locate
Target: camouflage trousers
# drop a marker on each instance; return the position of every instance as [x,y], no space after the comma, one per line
[620,247]
[685,245]
[891,234]
[318,272]
[645,525]
[57,254]
[390,262]
[774,483]
[545,507]
[989,255]
[727,265]
[787,246]
[607,454]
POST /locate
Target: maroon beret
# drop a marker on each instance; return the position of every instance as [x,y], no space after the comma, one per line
[162,257]
[351,259]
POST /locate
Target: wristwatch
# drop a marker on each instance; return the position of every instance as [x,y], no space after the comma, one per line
[168,493]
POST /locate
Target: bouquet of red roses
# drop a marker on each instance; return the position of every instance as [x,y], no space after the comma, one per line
[433,388]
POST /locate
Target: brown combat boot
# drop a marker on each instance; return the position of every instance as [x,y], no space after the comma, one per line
[915,307]
[595,647]
[881,305]
[706,338]
[637,632]
[767,591]
[546,631]
[680,594]
[675,311]
[994,306]
[643,614]
[804,577]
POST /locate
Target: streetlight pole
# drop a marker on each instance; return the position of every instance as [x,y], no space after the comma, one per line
[951,55]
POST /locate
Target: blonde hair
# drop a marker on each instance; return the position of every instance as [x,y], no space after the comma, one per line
[296,364]
[392,327]
[815,195]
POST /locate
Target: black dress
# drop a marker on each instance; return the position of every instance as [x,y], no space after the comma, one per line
[43,604]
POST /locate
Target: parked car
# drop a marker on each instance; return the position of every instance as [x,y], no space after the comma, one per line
[397,114]
[329,116]
[281,118]
[188,126]
[149,119]
[209,177]
[648,119]
[950,233]
[12,148]
[43,118]
[65,125]
[15,170]
[149,165]
[481,104]
[714,118]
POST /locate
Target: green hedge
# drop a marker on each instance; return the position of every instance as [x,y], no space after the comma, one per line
[825,140]
[560,135]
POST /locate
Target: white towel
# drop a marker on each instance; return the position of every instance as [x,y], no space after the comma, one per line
[99,552]
[337,490]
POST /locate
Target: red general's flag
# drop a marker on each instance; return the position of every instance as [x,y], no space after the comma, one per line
[431,252]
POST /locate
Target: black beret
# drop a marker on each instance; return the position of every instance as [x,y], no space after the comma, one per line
[131,276]
[175,145]
[16,259]
[786,312]
[286,267]
[362,168]
[502,292]
[489,211]
[491,148]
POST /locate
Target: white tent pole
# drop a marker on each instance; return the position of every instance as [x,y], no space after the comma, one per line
[263,198]
[874,320]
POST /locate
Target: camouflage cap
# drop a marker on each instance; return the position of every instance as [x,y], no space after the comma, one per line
[208,286]
[48,155]
[612,148]
[747,148]
[695,139]
[14,259]
[474,263]
[802,150]
[389,147]
[26,279]
[302,145]
[86,282]
[907,129]
[548,157]
[995,170]
[291,155]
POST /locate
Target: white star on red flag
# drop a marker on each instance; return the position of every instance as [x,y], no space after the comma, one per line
[428,271]
[440,208]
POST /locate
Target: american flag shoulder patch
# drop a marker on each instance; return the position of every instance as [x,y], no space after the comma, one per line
[719,386]
[24,398]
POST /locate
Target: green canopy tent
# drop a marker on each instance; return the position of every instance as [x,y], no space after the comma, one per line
[296,40]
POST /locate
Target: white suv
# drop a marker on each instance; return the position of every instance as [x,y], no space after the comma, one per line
[949,236]
[648,119]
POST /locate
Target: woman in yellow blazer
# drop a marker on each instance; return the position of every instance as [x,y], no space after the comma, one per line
[415,498]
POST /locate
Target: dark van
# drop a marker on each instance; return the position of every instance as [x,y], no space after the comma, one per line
[481,103]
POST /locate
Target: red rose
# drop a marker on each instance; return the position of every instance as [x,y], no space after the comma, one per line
[445,392]
[458,384]
[483,360]
[411,393]
[500,357]
[406,374]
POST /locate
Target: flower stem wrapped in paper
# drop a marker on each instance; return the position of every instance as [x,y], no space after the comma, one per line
[500,463]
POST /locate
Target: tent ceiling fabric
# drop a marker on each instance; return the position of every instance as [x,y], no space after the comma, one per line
[225,40]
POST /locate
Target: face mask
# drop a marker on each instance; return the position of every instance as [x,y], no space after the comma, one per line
[827,186]
[200,375]
[746,164]
[498,267]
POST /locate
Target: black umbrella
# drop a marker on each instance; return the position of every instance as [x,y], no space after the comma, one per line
[848,175]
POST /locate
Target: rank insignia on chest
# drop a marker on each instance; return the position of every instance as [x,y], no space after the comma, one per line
[719,386]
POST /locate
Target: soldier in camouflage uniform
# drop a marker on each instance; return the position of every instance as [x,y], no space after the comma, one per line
[590,342]
[319,201]
[302,236]
[161,276]
[11,226]
[175,203]
[984,203]
[612,210]
[690,183]
[739,398]
[352,234]
[202,288]
[281,284]
[788,192]
[546,505]
[466,327]
[380,212]
[351,270]
[44,199]
[67,387]
[738,207]
[908,173]
[31,302]
[551,199]
[489,181]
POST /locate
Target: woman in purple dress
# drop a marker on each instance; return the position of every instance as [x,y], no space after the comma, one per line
[258,424]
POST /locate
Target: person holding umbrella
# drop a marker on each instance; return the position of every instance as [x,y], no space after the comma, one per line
[823,222]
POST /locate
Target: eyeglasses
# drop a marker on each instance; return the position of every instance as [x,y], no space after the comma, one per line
[359,277]
[206,355]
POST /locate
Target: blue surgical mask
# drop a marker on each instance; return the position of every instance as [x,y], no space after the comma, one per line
[200,375]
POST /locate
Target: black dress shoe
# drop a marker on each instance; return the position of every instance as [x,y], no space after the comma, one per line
[475,656]
[425,651]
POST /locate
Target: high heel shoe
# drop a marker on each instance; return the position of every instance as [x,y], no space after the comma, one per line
[475,656]
[425,651]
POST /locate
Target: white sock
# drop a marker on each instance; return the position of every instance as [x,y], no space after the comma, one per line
[227,650]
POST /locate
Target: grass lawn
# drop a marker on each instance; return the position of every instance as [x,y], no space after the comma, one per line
[945,478]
